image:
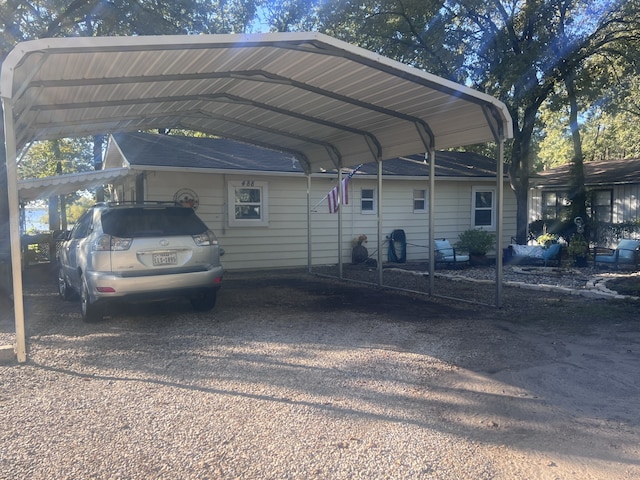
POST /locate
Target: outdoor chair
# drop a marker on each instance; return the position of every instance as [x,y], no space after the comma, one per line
[533,254]
[445,253]
[627,254]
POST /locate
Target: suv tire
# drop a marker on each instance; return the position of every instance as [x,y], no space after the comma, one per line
[64,289]
[90,311]
[204,302]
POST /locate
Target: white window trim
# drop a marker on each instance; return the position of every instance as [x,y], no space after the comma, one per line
[374,210]
[475,190]
[424,199]
[264,203]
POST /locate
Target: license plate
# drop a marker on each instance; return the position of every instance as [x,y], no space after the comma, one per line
[165,258]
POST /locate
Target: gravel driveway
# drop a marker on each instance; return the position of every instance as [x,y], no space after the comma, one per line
[299,377]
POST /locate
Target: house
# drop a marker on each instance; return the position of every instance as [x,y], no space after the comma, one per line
[255,199]
[613,192]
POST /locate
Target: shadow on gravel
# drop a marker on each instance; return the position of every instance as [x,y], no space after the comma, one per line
[545,372]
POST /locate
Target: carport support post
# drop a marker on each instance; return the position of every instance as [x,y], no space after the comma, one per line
[432,220]
[499,221]
[379,160]
[14,231]
[309,253]
[340,221]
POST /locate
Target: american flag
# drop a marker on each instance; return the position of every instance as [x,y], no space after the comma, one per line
[332,196]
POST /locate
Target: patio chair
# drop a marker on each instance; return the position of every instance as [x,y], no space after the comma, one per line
[627,253]
[446,254]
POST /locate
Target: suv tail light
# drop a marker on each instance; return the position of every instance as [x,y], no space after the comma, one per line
[205,238]
[110,243]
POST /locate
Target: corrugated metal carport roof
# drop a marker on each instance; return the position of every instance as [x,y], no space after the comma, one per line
[327,102]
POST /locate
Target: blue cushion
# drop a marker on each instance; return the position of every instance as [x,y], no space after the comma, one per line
[444,252]
[626,250]
[606,258]
[551,252]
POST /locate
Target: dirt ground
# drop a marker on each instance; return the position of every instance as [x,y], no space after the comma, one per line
[548,386]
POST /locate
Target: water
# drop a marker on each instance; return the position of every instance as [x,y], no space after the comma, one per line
[34,219]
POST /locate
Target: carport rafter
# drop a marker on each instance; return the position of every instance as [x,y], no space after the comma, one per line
[259,76]
[372,141]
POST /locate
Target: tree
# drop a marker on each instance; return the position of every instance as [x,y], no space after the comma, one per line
[290,15]
[609,124]
[518,51]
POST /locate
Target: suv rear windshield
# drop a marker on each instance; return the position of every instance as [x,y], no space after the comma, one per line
[151,222]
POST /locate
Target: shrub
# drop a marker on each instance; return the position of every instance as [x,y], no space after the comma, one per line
[578,246]
[476,242]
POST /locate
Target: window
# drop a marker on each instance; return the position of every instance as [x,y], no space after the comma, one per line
[555,205]
[84,226]
[367,201]
[483,208]
[602,205]
[419,201]
[248,200]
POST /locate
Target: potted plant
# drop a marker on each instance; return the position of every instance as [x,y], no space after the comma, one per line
[578,248]
[547,239]
[477,243]
[359,253]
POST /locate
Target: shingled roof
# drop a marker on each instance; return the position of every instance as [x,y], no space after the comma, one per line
[610,172]
[150,150]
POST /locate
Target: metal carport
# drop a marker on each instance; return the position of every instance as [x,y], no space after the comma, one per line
[329,103]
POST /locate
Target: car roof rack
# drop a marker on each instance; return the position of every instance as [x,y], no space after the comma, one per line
[137,203]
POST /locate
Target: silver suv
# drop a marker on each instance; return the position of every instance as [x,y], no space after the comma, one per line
[119,252]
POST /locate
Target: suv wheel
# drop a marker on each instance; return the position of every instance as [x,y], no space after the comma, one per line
[204,302]
[90,311]
[64,289]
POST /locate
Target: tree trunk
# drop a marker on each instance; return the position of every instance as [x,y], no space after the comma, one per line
[578,193]
[98,140]
[519,172]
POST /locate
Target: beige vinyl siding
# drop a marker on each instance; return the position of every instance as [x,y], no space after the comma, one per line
[283,242]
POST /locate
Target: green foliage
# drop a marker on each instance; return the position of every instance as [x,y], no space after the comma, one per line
[77,208]
[476,242]
[54,157]
[578,246]
[547,238]
[28,20]
[290,15]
